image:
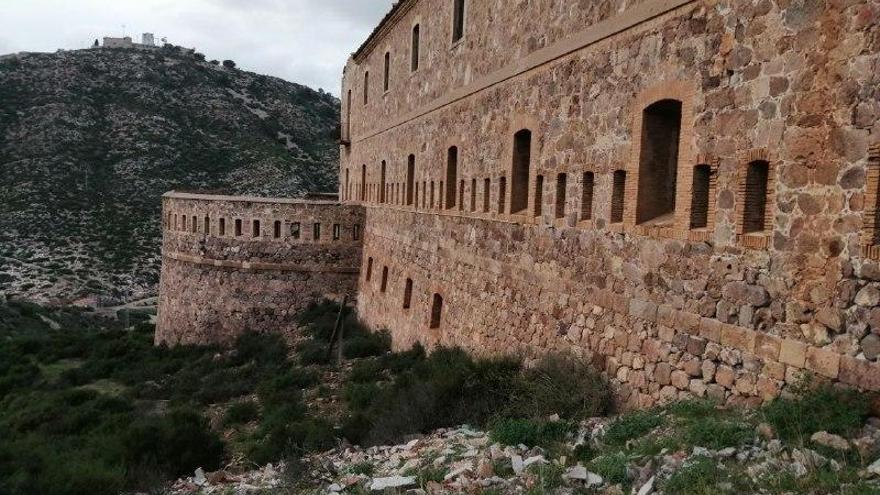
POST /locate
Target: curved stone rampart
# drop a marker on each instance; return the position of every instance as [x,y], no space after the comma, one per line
[237,264]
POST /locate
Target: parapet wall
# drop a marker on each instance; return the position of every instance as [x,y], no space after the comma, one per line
[237,264]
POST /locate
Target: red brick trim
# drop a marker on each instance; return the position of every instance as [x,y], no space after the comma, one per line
[683,91]
[870,247]
[755,240]
[705,234]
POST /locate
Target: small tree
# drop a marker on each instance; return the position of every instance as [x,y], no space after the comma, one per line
[229,64]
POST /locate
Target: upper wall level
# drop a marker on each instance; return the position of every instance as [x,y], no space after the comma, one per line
[254,233]
[426,50]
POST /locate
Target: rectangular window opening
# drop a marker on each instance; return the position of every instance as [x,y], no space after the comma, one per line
[561,191]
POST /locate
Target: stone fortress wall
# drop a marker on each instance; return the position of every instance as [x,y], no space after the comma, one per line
[683,191]
[237,264]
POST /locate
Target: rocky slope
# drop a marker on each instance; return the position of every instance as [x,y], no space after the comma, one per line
[90,139]
[467,461]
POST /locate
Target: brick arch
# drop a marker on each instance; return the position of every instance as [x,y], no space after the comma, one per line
[685,93]
[442,158]
[520,122]
[755,240]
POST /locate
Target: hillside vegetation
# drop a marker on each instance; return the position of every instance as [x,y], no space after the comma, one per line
[89,406]
[90,139]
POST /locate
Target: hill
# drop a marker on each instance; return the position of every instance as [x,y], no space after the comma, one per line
[90,139]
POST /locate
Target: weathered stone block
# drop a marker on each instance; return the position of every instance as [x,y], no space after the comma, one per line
[793,353]
[823,362]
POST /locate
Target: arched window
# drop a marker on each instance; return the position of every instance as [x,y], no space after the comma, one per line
[561,190]
[407,294]
[410,178]
[416,35]
[700,197]
[276,231]
[295,230]
[337,231]
[522,157]
[473,194]
[222,227]
[461,195]
[588,184]
[316,231]
[755,197]
[451,176]
[436,311]
[487,184]
[384,286]
[237,227]
[363,182]
[502,194]
[386,80]
[348,117]
[366,87]
[207,225]
[369,269]
[382,187]
[658,161]
[539,195]
[458,16]
[618,191]
[195,224]
[256,228]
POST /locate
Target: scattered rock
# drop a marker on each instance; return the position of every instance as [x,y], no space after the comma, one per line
[199,477]
[868,297]
[826,439]
[380,484]
[517,464]
[765,431]
[580,473]
[647,488]
[871,346]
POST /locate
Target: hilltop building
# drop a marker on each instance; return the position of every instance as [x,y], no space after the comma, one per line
[684,192]
[147,41]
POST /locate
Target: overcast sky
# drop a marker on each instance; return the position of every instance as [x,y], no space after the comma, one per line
[304,41]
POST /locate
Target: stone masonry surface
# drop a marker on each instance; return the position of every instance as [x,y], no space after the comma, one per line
[221,282]
[771,272]
[684,192]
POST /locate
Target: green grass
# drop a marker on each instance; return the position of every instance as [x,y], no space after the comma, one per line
[530,432]
[698,476]
[714,433]
[611,467]
[820,409]
[631,426]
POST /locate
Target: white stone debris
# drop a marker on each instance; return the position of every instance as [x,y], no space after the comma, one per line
[380,484]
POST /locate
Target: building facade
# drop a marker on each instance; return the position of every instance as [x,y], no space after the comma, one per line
[683,191]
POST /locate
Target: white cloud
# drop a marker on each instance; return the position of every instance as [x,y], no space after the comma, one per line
[305,41]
